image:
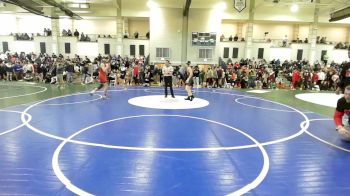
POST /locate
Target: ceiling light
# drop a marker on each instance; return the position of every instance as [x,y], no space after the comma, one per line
[152,4]
[221,6]
[294,8]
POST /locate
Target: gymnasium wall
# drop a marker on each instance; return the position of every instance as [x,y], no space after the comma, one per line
[166,32]
[139,25]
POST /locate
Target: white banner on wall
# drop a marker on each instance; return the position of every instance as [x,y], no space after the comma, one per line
[239,5]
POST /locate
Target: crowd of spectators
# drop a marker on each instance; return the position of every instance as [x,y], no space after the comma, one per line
[246,73]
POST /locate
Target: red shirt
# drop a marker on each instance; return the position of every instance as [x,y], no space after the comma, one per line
[102,75]
[314,77]
[296,76]
[136,71]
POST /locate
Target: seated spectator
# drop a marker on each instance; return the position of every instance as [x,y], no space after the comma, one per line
[306,41]
[76,33]
[109,36]
[26,37]
[69,33]
[82,37]
[147,35]
[136,35]
[64,32]
[235,38]
[242,39]
[49,32]
[222,37]
[126,36]
[322,41]
[230,38]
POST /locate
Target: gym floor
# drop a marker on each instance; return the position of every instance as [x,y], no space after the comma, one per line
[66,142]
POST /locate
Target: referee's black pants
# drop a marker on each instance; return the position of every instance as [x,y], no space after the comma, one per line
[168,82]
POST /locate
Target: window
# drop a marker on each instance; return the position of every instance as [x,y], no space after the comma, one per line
[300,54]
[323,53]
[132,50]
[163,52]
[142,50]
[205,53]
[235,53]
[261,53]
[67,48]
[42,48]
[107,49]
[5,46]
[226,52]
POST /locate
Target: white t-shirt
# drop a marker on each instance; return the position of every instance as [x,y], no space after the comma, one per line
[168,70]
[321,75]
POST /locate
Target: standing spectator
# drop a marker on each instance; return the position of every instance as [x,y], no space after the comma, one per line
[9,71]
[2,70]
[295,78]
[70,70]
[59,72]
[135,73]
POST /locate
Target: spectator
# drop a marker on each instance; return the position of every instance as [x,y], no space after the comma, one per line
[76,33]
[235,38]
[230,38]
[222,37]
[64,32]
[136,35]
[285,40]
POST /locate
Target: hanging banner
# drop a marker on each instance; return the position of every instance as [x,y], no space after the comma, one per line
[239,5]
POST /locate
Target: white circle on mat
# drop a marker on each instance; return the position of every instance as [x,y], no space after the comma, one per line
[160,102]
[326,99]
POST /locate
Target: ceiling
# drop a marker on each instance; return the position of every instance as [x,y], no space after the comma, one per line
[138,8]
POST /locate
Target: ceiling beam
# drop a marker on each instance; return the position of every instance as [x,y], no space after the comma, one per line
[187,7]
[340,14]
[66,11]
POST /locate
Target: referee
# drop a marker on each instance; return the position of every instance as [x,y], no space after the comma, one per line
[168,78]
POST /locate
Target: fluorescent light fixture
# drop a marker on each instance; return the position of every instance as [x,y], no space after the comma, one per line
[82,11]
[152,4]
[78,1]
[73,5]
[84,5]
[294,8]
[79,5]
